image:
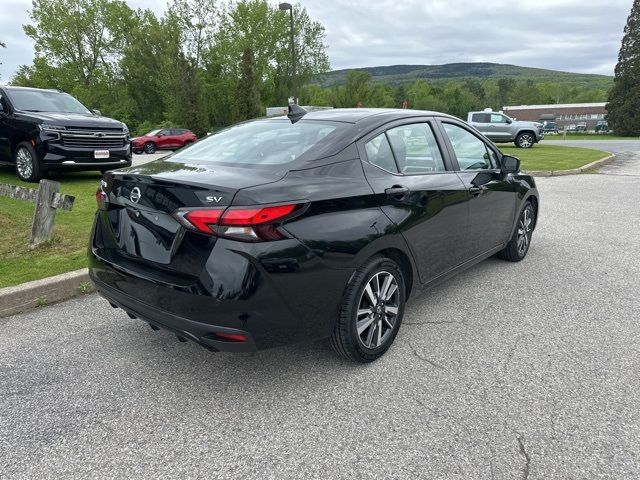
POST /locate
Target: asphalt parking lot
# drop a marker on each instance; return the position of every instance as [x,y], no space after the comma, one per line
[508,371]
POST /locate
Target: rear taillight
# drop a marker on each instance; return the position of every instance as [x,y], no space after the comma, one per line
[249,224]
[102,199]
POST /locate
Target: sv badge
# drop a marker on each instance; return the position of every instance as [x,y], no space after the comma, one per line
[214,199]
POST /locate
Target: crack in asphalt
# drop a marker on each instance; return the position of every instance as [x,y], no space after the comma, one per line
[425,359]
[525,455]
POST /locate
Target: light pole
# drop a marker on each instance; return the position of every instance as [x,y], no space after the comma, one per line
[288,6]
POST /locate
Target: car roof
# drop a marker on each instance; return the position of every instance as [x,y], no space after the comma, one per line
[355,115]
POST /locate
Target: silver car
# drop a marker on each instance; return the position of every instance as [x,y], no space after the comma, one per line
[499,128]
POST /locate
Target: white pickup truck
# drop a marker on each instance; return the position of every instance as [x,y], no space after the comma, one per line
[499,128]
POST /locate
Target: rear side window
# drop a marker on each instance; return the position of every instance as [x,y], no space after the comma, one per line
[379,153]
[480,117]
[471,152]
[416,149]
[261,142]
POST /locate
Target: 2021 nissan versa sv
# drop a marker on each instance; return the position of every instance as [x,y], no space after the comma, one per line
[317,225]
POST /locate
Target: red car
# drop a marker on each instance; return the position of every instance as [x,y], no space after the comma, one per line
[163,139]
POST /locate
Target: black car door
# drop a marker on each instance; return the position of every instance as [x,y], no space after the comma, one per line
[5,130]
[492,195]
[418,190]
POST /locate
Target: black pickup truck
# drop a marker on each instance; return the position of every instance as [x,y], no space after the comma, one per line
[49,130]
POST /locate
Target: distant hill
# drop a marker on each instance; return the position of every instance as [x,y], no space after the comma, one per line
[399,74]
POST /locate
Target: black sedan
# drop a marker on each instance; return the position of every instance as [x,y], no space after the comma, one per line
[319,225]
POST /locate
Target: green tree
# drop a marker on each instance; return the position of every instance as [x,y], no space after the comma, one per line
[624,99]
[84,36]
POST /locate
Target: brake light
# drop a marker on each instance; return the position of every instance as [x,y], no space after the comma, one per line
[251,224]
[102,199]
[203,220]
[255,216]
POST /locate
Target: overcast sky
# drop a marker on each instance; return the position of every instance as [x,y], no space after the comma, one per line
[569,35]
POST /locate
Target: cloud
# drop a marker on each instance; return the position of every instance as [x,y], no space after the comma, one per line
[570,35]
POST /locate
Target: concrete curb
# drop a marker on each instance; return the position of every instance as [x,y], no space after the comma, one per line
[43,292]
[573,171]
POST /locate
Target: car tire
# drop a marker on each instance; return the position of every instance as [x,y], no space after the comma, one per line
[525,140]
[187,143]
[150,148]
[28,166]
[137,152]
[368,325]
[520,242]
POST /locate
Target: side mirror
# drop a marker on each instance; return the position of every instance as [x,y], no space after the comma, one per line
[509,164]
[509,121]
[160,135]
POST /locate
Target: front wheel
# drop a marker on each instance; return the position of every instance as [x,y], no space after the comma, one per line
[372,311]
[28,167]
[150,147]
[518,246]
[525,140]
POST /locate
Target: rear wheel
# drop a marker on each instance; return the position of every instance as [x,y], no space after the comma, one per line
[150,147]
[28,167]
[518,246]
[372,311]
[525,140]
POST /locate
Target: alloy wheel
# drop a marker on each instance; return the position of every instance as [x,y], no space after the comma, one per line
[526,140]
[149,148]
[377,310]
[24,163]
[524,231]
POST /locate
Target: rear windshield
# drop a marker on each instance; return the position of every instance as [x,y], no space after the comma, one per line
[45,101]
[262,142]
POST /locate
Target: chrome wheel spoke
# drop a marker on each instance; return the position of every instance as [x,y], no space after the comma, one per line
[369,339]
[364,324]
[379,330]
[391,291]
[370,295]
[390,309]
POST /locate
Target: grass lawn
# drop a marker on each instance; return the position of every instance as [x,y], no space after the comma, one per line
[67,250]
[553,157]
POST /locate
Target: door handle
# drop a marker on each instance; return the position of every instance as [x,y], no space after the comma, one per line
[476,191]
[397,191]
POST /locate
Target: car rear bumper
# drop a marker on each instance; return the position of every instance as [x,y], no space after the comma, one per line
[201,333]
[273,293]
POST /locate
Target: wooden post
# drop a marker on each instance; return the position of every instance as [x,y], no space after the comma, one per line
[47,199]
[45,213]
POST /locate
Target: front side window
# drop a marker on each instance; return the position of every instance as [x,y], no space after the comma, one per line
[415,149]
[471,152]
[46,101]
[497,118]
[165,132]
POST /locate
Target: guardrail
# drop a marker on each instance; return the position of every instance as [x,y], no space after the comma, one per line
[48,199]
